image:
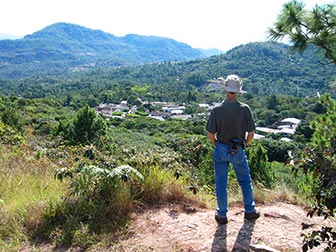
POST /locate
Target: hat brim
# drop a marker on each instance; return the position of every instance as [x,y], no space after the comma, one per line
[234,90]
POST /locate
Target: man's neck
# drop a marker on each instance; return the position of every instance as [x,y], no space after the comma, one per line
[231,97]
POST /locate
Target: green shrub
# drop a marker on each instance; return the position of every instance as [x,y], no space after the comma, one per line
[277,150]
[261,170]
[10,136]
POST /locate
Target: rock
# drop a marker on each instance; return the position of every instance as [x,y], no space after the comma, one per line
[262,248]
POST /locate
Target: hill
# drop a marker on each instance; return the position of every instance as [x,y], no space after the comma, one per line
[266,68]
[63,46]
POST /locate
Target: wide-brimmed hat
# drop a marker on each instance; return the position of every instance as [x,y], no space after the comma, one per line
[233,84]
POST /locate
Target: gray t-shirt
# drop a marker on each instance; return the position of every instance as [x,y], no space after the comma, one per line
[230,119]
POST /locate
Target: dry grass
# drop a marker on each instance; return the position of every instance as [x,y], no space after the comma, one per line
[28,188]
[278,194]
[27,185]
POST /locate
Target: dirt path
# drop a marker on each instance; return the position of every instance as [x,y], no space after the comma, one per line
[177,229]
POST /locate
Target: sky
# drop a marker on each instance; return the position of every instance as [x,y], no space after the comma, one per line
[220,24]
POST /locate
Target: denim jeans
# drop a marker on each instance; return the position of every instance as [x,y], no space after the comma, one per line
[222,159]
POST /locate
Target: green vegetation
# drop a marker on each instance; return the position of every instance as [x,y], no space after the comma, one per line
[272,69]
[66,172]
[305,28]
[72,178]
[319,161]
[61,46]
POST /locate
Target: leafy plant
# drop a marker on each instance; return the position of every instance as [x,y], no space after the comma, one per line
[86,128]
[11,117]
[303,28]
[92,179]
[261,170]
[319,159]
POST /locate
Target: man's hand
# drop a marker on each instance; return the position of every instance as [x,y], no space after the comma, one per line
[249,137]
[212,138]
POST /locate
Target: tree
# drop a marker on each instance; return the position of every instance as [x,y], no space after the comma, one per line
[11,117]
[318,28]
[87,126]
[303,28]
[261,170]
[319,159]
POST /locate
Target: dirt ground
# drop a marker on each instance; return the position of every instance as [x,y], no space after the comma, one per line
[177,228]
[186,229]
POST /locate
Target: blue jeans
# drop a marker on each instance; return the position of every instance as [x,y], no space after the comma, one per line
[222,159]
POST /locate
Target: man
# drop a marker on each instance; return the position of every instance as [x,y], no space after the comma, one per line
[231,126]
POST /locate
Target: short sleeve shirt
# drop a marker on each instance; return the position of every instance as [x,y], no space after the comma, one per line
[230,119]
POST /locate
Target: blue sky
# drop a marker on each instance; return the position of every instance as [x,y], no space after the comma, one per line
[221,24]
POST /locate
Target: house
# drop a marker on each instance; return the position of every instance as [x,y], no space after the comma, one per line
[176,112]
[107,109]
[289,123]
[172,107]
[159,115]
[286,127]
[181,117]
[266,130]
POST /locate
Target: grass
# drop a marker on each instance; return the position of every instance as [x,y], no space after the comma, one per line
[27,185]
[289,188]
[35,207]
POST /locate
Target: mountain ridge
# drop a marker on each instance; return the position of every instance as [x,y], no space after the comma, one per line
[64,45]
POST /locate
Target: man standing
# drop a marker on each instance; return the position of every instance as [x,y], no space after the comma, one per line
[231,126]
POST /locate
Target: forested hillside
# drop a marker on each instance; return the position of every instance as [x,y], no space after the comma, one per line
[63,46]
[95,129]
[266,68]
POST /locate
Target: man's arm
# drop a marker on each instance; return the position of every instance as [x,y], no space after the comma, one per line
[249,137]
[212,138]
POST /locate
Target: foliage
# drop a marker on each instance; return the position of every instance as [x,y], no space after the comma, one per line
[317,28]
[11,117]
[269,69]
[86,128]
[304,28]
[277,150]
[319,237]
[26,188]
[91,180]
[261,170]
[95,194]
[9,136]
[319,159]
[57,48]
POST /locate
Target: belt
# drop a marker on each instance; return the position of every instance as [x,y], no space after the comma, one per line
[219,141]
[230,144]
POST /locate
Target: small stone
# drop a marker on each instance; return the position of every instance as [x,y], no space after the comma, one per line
[262,248]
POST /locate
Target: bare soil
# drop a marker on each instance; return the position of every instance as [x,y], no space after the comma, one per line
[185,229]
[177,228]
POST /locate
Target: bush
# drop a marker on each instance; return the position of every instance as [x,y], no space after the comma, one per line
[277,150]
[86,128]
[12,118]
[261,170]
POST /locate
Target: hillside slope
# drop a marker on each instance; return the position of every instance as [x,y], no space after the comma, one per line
[266,68]
[175,229]
[171,229]
[63,46]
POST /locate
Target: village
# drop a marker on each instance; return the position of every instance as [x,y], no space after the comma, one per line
[286,127]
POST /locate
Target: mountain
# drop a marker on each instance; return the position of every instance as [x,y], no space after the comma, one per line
[8,36]
[266,68]
[63,46]
[210,52]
